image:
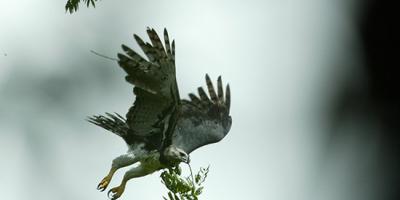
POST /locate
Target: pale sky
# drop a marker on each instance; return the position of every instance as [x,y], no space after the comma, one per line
[283,60]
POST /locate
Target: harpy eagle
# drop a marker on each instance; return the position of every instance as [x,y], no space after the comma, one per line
[160,129]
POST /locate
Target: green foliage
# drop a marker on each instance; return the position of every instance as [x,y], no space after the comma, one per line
[183,188]
[73,5]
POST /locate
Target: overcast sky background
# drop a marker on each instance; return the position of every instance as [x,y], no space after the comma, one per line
[283,59]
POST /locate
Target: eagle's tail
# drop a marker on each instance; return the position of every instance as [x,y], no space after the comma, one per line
[114,123]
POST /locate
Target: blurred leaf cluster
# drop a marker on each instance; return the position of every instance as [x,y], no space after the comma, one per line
[183,188]
[73,5]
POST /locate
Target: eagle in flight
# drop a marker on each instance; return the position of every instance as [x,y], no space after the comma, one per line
[160,129]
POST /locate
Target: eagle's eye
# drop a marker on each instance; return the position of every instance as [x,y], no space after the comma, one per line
[182,154]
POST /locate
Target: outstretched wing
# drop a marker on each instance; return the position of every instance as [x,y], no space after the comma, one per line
[204,119]
[155,84]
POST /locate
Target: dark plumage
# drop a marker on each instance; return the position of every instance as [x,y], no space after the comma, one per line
[160,128]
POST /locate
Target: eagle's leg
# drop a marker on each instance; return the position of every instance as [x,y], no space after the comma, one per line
[117,163]
[135,172]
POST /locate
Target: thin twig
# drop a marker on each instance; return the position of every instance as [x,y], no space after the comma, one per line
[103,56]
[191,174]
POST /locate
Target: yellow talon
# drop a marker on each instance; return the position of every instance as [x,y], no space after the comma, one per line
[104,183]
[106,180]
[116,192]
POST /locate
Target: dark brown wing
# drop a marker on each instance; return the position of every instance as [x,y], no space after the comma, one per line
[155,84]
[204,119]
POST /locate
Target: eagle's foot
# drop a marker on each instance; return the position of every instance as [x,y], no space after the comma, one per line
[116,192]
[104,183]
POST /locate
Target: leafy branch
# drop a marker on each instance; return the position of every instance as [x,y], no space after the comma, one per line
[73,5]
[183,188]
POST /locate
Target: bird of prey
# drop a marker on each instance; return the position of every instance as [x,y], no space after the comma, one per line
[160,129]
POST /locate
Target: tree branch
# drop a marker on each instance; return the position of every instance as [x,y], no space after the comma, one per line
[73,5]
[183,188]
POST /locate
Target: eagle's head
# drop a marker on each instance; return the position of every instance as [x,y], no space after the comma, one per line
[176,155]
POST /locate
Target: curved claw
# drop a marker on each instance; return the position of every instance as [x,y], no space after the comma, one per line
[103,184]
[115,193]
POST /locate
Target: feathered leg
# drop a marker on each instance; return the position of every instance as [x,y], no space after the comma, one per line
[119,162]
[135,172]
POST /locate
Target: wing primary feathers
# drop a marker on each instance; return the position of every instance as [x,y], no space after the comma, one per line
[217,99]
[146,48]
[202,94]
[93,120]
[139,41]
[220,90]
[194,99]
[133,54]
[167,45]
[126,63]
[131,66]
[122,57]
[118,115]
[155,40]
[211,90]
[228,98]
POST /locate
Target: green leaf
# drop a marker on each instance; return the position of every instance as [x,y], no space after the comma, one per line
[170,196]
[197,178]
[73,5]
[181,187]
[199,191]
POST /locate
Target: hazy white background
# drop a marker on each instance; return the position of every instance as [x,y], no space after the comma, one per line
[283,59]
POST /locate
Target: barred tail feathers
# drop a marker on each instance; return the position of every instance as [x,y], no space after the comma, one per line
[114,123]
